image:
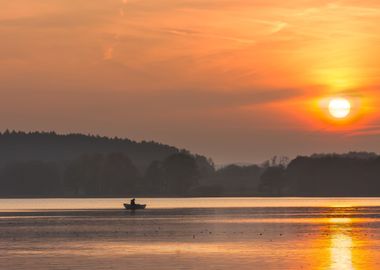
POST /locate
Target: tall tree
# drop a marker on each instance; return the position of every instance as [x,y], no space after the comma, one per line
[119,176]
[181,173]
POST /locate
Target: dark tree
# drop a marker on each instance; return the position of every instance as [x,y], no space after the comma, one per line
[235,180]
[118,176]
[335,175]
[83,175]
[154,179]
[98,174]
[181,173]
[205,166]
[273,180]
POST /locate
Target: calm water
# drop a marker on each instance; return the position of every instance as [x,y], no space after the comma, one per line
[207,233]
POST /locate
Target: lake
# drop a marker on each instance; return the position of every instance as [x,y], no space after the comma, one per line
[191,233]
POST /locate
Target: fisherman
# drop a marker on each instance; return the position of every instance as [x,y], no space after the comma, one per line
[133,201]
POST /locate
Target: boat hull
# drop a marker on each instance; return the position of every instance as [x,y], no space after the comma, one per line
[134,207]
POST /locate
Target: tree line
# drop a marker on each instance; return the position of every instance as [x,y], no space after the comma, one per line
[51,165]
[112,174]
[351,174]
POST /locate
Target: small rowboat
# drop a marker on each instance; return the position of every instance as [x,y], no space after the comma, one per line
[134,206]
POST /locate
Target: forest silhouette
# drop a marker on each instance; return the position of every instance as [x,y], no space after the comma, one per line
[46,164]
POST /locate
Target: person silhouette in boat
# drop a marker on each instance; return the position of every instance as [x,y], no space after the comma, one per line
[133,203]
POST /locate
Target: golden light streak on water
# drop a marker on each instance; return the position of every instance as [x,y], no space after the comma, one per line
[341,252]
[341,244]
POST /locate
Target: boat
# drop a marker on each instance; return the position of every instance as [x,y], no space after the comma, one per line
[134,206]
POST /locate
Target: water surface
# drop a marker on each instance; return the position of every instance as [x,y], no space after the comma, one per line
[193,233]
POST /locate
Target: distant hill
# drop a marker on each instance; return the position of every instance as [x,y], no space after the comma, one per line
[49,146]
[46,164]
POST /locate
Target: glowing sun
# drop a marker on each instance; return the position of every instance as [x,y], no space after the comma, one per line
[339,107]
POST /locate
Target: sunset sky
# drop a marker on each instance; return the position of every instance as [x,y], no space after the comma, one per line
[236,80]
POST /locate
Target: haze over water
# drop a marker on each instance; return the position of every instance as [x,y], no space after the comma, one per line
[207,233]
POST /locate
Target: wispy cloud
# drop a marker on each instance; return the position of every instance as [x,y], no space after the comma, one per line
[190,32]
[371,130]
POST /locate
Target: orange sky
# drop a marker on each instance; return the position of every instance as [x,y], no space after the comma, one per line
[237,80]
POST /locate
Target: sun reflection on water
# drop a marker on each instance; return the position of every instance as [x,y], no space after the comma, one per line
[341,252]
[341,244]
[340,220]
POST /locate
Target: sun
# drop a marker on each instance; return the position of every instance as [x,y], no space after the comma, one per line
[339,108]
